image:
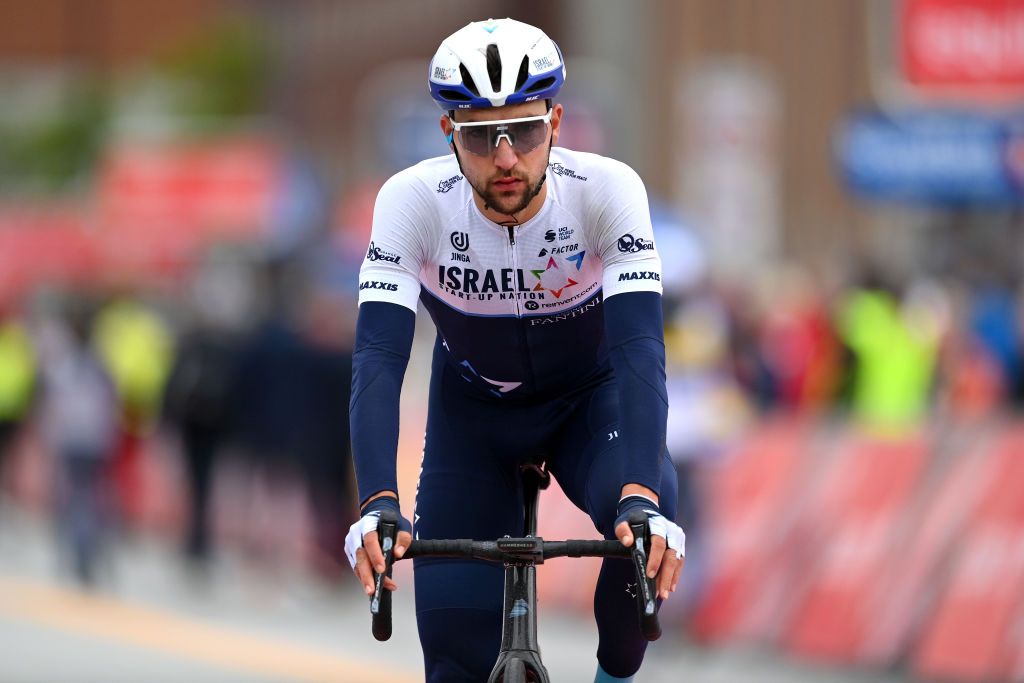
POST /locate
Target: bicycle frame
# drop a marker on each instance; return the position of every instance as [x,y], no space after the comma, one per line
[519,624]
[519,656]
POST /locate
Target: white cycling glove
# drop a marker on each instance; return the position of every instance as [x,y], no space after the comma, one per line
[369,521]
[673,534]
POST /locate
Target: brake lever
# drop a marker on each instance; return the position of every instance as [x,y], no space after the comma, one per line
[380,601]
[647,606]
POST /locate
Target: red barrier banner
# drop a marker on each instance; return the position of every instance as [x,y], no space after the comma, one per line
[963,43]
[223,187]
[754,495]
[903,598]
[156,206]
[974,633]
[861,513]
[44,244]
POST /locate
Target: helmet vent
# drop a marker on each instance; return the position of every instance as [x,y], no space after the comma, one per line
[454,95]
[524,72]
[468,81]
[494,67]
[541,84]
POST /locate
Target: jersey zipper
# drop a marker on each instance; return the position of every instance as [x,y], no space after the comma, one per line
[527,364]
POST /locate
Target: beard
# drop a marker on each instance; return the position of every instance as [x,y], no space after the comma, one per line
[508,202]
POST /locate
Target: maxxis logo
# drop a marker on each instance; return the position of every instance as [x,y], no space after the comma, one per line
[377,284]
[642,275]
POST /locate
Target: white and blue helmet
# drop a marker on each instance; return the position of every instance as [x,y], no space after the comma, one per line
[494,63]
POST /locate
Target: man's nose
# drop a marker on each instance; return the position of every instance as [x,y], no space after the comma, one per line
[504,156]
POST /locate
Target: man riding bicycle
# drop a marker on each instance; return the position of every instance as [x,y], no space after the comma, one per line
[538,267]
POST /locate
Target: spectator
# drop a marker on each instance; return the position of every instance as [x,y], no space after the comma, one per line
[79,424]
[17,381]
[197,404]
[136,347]
[895,348]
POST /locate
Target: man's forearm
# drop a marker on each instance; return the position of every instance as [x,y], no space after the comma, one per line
[384,335]
[636,345]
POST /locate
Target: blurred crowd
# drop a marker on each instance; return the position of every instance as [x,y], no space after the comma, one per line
[244,378]
[885,353]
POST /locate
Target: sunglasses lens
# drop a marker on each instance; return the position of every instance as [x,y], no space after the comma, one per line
[528,135]
[525,136]
[477,139]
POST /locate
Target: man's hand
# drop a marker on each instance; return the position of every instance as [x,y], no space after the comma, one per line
[362,545]
[665,534]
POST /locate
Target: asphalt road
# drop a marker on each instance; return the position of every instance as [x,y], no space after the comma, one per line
[151,620]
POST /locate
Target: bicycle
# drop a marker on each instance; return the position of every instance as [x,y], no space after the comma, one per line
[519,659]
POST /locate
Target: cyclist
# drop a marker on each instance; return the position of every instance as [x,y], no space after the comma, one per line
[538,267]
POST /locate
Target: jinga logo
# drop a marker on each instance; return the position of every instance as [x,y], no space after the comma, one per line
[631,245]
[446,185]
[460,241]
[375,253]
[377,284]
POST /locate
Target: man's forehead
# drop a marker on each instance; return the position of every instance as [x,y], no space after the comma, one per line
[514,111]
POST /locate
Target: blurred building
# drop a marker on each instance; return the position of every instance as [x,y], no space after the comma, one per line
[728,108]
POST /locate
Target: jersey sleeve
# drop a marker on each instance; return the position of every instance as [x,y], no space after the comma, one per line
[624,235]
[401,219]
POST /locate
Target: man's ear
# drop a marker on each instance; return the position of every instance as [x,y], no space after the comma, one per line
[448,130]
[556,122]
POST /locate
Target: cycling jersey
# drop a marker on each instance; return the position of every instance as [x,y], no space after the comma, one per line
[518,309]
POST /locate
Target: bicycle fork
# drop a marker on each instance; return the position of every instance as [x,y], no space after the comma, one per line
[519,632]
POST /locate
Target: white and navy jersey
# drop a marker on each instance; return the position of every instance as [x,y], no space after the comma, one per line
[519,310]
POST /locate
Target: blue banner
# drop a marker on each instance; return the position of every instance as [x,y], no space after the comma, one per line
[933,156]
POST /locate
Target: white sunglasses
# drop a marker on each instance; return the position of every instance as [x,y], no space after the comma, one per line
[524,134]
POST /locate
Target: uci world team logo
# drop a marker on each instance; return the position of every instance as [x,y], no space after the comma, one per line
[460,240]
